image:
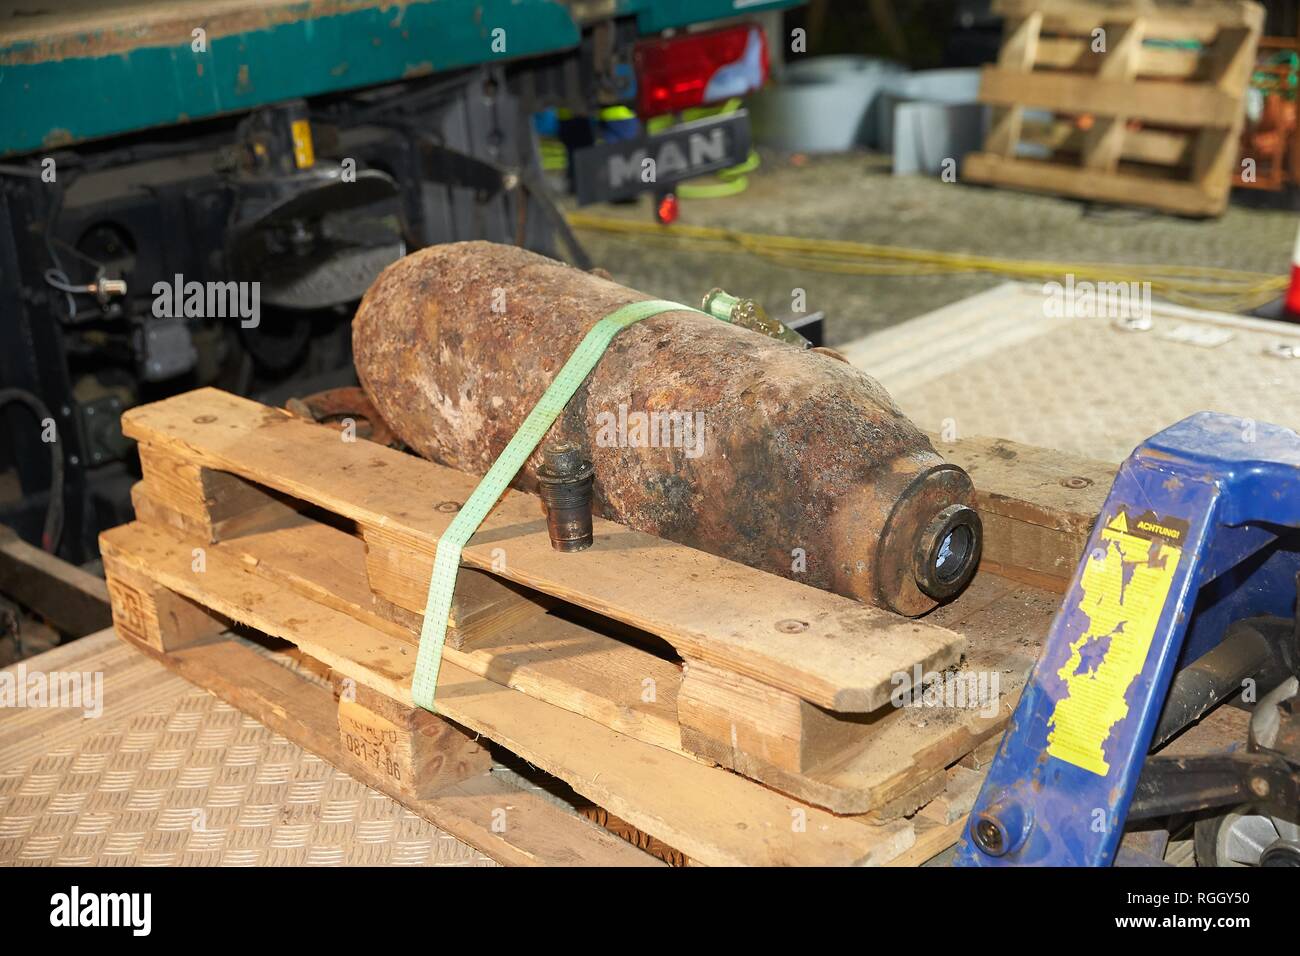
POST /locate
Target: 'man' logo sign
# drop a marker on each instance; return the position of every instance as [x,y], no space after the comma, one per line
[620,169]
[673,159]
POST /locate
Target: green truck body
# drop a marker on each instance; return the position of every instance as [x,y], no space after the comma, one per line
[81,75]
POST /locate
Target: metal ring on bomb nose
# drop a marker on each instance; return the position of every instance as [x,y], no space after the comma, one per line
[948,551]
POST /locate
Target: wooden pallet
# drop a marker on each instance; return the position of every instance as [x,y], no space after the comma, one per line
[1154,120]
[638,672]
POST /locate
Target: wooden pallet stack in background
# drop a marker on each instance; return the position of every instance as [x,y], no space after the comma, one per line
[1146,101]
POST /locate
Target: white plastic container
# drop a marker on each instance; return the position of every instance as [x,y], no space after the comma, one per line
[930,116]
[824,104]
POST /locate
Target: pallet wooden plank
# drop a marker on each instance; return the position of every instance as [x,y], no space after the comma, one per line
[537,834]
[1103,144]
[74,601]
[1077,55]
[1123,189]
[1162,147]
[729,719]
[940,823]
[1017,55]
[482,606]
[1153,101]
[1197,20]
[1232,60]
[711,815]
[843,657]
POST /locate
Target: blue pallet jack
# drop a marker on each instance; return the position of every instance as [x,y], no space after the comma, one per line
[1194,557]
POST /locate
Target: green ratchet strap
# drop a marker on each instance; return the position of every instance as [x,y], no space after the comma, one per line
[446,561]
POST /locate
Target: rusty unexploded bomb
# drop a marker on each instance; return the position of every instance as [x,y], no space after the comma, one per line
[700,432]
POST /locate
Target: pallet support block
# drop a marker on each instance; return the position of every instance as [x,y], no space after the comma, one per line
[211,505]
[739,723]
[1037,521]
[416,752]
[482,606]
[1103,143]
[1017,55]
[149,614]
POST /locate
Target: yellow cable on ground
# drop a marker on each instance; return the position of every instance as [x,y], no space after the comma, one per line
[1226,290]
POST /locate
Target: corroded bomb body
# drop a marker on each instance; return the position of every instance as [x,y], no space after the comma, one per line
[701,432]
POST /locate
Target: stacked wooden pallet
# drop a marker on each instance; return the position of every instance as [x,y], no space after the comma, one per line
[1146,100]
[639,672]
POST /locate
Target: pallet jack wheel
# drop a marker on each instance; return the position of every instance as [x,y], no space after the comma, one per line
[1246,837]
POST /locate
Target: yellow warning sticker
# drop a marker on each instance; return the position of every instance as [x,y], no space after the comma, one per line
[303,154]
[1125,585]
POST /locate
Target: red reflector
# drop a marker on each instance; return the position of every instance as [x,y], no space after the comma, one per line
[1291,304]
[666,212]
[698,68]
[1292,301]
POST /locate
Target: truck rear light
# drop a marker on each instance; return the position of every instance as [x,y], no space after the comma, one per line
[679,72]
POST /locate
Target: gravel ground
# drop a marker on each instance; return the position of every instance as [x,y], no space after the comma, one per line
[853,196]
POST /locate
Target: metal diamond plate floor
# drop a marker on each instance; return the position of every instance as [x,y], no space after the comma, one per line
[171,775]
[994,365]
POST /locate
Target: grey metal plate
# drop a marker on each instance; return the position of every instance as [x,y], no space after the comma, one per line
[170,775]
[995,365]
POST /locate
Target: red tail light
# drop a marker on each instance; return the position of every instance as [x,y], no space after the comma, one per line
[699,68]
